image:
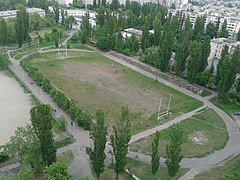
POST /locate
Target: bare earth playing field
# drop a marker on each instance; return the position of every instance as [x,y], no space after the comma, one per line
[14,107]
[96,82]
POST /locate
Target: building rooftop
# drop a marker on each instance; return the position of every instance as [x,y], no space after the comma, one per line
[14,12]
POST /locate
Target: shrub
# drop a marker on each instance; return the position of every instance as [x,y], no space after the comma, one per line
[84,120]
[3,157]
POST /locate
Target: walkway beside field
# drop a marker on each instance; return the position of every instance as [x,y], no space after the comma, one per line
[178,119]
[197,165]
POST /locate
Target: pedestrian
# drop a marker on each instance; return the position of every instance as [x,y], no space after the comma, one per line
[72,123]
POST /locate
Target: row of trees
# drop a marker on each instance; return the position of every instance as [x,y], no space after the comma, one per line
[173,151]
[228,67]
[119,142]
[77,114]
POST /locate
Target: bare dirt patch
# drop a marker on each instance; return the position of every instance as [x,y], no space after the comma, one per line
[198,137]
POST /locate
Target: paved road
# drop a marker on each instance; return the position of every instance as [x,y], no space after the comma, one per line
[196,165]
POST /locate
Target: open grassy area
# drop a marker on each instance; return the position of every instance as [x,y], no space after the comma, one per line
[206,124]
[96,82]
[78,45]
[66,158]
[142,171]
[229,171]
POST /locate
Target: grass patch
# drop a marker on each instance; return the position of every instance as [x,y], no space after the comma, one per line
[64,142]
[96,82]
[59,125]
[217,137]
[228,108]
[79,45]
[229,171]
[142,171]
[66,158]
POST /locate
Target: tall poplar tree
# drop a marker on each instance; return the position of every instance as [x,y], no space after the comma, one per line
[119,141]
[19,26]
[155,161]
[174,150]
[206,49]
[180,62]
[41,118]
[99,136]
[224,83]
[223,54]
[223,31]
[3,31]
[145,36]
[193,61]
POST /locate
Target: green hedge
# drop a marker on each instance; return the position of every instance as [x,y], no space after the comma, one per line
[77,114]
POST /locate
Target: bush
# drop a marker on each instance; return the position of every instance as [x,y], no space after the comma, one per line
[84,120]
[3,157]
[103,43]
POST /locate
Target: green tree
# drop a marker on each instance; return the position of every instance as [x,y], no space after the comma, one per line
[56,171]
[25,147]
[145,36]
[157,31]
[114,4]
[155,154]
[4,62]
[223,54]
[70,21]
[41,118]
[174,150]
[224,83]
[223,31]
[180,62]
[20,28]
[238,35]
[103,43]
[166,49]
[119,141]
[199,28]
[100,16]
[206,49]
[99,136]
[211,30]
[193,61]
[3,31]
[56,10]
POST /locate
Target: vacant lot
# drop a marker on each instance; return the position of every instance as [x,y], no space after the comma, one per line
[203,133]
[14,107]
[96,82]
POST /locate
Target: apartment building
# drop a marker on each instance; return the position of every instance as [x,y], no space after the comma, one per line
[214,11]
[218,44]
[13,13]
